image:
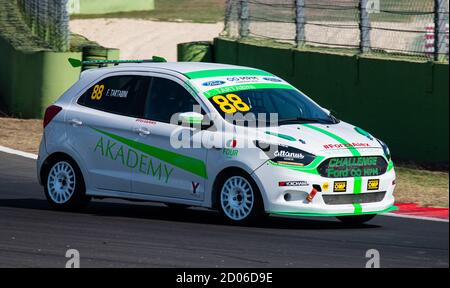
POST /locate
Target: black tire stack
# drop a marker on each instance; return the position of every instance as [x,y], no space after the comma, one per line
[195,52]
[94,53]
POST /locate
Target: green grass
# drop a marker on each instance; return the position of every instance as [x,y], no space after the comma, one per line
[428,188]
[201,11]
[406,6]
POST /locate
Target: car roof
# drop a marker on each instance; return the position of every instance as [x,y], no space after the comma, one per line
[188,67]
[185,68]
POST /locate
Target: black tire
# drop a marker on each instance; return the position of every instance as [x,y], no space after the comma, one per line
[176,206]
[78,198]
[356,220]
[255,213]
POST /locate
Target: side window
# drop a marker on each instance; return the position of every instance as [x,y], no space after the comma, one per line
[166,98]
[122,95]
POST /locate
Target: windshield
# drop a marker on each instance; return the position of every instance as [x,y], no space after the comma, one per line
[290,105]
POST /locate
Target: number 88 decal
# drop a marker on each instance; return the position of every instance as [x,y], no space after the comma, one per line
[231,103]
[97,93]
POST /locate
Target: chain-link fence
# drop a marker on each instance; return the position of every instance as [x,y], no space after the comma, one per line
[407,27]
[49,20]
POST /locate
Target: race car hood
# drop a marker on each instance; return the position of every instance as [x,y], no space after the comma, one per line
[340,139]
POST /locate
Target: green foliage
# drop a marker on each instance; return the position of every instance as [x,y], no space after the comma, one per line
[16,32]
[203,11]
[48,20]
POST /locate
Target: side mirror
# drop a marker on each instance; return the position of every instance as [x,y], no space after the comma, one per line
[330,112]
[190,118]
[327,111]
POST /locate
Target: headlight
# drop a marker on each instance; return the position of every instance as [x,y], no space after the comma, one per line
[386,150]
[283,154]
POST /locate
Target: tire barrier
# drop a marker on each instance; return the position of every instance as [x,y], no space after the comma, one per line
[195,52]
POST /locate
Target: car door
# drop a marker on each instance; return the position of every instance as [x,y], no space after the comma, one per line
[169,170]
[99,124]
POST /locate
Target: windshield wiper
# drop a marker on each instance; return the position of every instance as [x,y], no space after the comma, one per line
[305,120]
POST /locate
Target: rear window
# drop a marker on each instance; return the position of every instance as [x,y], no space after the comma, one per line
[123,95]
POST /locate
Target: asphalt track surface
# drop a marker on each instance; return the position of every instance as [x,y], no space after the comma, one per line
[116,233]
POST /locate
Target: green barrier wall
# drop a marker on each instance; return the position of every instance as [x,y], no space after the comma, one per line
[404,103]
[109,6]
[30,81]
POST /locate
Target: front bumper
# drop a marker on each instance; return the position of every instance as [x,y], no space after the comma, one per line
[292,200]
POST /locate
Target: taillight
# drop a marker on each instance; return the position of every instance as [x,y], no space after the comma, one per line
[50,113]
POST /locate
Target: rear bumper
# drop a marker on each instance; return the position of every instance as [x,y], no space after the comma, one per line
[292,200]
[41,159]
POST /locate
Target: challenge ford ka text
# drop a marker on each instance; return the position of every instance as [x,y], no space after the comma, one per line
[255,145]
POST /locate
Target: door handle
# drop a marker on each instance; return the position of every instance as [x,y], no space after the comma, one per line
[142,131]
[75,122]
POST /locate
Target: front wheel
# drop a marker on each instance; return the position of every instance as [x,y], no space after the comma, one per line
[239,199]
[64,185]
[356,220]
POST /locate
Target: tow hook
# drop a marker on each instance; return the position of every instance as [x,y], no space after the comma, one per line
[313,193]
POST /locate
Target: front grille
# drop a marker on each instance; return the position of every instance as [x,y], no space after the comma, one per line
[354,198]
[343,167]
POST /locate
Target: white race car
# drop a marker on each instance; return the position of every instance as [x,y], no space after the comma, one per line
[231,138]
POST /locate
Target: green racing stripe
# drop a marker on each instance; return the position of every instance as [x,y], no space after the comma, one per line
[390,165]
[358,208]
[226,72]
[282,136]
[192,165]
[357,181]
[352,149]
[250,86]
[296,214]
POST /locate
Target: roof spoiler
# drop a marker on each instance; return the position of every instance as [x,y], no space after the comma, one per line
[103,63]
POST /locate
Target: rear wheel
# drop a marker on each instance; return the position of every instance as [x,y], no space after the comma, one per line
[355,220]
[64,185]
[239,199]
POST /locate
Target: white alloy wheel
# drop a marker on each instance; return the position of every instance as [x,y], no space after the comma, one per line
[237,198]
[61,182]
